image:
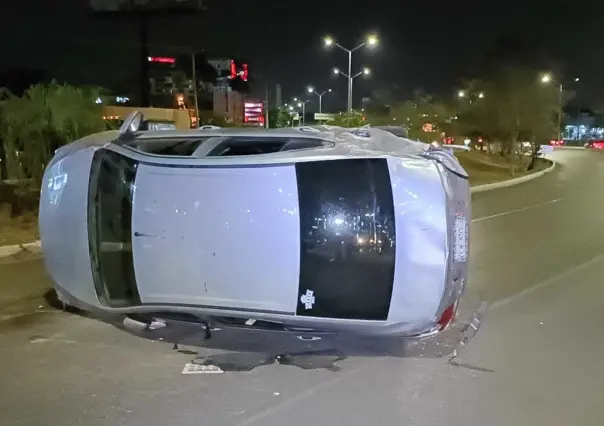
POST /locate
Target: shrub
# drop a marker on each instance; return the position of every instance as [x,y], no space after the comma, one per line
[45,118]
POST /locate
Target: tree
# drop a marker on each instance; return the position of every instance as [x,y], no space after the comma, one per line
[279,117]
[349,119]
[516,108]
[424,117]
[43,119]
[379,115]
[208,118]
[598,114]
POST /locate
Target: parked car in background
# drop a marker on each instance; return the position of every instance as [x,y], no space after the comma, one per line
[598,144]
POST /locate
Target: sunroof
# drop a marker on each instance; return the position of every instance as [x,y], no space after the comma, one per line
[176,147]
[237,146]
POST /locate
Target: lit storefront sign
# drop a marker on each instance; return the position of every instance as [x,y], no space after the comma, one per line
[254,113]
[162,60]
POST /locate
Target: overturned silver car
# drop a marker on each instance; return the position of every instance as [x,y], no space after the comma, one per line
[320,229]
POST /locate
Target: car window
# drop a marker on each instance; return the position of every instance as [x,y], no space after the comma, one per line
[255,146]
[231,148]
[172,146]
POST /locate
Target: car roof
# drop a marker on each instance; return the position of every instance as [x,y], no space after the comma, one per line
[234,131]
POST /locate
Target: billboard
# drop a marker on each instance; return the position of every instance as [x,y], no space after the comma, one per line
[253,112]
[146,5]
[238,71]
[161,60]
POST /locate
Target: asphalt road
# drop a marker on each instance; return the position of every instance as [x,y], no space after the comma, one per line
[537,254]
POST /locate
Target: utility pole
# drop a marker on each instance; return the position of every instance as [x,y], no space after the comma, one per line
[266,106]
[143,18]
[349,80]
[195,88]
[560,113]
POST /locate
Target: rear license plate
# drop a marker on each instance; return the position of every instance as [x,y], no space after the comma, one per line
[460,235]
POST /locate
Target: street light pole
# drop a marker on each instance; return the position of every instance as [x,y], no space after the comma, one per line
[364,71]
[560,113]
[194,71]
[350,80]
[371,41]
[302,104]
[547,78]
[320,95]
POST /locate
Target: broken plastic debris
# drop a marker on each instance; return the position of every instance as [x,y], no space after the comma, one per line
[191,368]
[156,324]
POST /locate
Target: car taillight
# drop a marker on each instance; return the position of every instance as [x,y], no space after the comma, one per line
[447,317]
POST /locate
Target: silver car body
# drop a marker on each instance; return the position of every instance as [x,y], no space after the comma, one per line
[356,230]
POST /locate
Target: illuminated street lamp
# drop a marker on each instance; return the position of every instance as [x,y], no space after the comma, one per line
[462,94]
[548,78]
[364,71]
[301,104]
[371,41]
[320,95]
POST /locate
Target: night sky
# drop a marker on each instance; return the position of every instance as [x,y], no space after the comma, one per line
[423,44]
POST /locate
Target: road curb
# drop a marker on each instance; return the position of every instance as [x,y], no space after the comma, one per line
[6,251]
[512,182]
[36,246]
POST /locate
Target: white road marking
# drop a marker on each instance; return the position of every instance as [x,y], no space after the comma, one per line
[548,281]
[522,209]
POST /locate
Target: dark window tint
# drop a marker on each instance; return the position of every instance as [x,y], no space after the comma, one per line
[304,143]
[177,147]
[255,146]
[111,189]
[239,146]
[347,237]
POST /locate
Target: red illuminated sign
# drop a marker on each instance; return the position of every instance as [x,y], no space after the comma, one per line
[254,112]
[233,69]
[243,73]
[162,59]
